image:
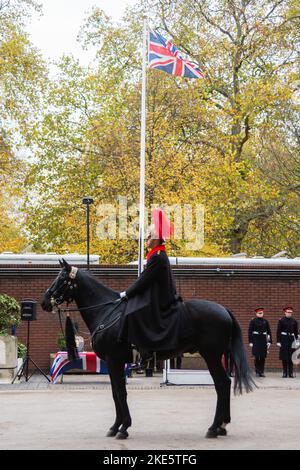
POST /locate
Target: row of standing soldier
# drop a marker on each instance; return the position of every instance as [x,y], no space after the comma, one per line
[260,339]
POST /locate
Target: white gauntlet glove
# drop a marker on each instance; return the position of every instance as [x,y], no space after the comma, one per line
[123,294]
[279,345]
[251,345]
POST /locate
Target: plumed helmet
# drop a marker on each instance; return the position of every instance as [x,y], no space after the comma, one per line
[161,228]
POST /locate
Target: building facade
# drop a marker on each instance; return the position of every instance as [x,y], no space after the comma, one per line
[239,284]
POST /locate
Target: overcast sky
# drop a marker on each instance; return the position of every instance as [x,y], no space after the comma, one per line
[54,33]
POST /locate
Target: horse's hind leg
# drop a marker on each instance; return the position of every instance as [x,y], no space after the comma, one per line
[222,385]
[118,380]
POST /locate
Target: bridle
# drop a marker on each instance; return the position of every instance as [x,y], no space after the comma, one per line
[59,295]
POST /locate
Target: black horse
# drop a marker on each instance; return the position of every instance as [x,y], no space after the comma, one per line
[213,329]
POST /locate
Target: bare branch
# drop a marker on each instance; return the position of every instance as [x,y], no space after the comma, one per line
[211,22]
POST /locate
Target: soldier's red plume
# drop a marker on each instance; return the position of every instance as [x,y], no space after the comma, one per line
[164,228]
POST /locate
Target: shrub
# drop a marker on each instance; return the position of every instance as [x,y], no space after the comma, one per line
[61,343]
[9,313]
[22,350]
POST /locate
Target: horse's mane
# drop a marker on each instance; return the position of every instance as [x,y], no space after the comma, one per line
[97,286]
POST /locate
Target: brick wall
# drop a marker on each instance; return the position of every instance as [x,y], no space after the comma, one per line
[241,289]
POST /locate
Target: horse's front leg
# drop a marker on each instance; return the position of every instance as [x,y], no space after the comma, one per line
[118,381]
[113,430]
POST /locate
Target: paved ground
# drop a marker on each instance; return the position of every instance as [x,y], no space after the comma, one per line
[77,414]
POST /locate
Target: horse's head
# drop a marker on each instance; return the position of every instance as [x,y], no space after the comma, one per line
[62,288]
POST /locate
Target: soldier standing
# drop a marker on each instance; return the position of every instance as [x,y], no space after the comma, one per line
[287,332]
[260,338]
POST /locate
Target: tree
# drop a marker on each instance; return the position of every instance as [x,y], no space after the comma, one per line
[278,151]
[22,74]
[202,137]
[22,71]
[248,50]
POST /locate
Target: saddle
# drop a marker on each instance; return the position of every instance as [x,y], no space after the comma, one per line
[111,317]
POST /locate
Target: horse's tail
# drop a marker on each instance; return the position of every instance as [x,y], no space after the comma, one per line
[243,375]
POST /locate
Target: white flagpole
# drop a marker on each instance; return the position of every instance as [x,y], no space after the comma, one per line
[142,155]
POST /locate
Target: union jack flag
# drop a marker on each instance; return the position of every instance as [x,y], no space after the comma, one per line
[164,55]
[86,361]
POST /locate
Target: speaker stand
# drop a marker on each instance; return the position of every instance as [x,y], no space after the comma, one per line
[24,367]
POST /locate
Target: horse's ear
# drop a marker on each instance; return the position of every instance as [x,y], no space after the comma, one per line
[61,263]
[66,265]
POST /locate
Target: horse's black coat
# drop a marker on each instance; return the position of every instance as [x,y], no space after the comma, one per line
[207,327]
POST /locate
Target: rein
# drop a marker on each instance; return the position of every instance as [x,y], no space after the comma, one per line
[66,310]
[101,326]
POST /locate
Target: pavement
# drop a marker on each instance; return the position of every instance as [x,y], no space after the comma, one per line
[77,414]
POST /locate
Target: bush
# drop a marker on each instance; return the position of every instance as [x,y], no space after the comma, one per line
[9,313]
[22,350]
[61,343]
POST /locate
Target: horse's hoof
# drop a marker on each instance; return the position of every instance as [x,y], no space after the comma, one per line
[212,433]
[122,435]
[221,432]
[112,433]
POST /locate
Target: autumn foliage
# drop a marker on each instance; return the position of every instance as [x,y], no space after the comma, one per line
[229,142]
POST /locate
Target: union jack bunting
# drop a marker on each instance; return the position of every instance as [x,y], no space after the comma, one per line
[164,55]
[87,361]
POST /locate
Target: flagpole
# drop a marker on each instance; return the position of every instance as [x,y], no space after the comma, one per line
[142,154]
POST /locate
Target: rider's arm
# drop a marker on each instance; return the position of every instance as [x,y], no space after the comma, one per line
[146,278]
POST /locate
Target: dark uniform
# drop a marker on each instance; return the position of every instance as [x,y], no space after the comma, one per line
[154,310]
[259,334]
[287,332]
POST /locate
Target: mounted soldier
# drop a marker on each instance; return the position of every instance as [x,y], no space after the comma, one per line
[152,316]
